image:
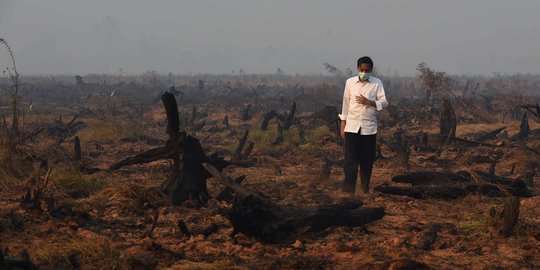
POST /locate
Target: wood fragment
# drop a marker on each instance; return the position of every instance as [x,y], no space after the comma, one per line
[154,222]
[183,229]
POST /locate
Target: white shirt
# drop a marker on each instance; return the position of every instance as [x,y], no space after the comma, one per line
[360,117]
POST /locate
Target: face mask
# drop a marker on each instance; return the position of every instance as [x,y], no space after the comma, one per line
[363,76]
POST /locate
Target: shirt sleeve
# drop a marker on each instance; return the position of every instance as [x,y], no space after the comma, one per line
[381,101]
[345,107]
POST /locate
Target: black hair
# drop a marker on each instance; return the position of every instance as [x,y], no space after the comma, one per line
[364,60]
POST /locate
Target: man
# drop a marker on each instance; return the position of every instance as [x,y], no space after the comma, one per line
[362,97]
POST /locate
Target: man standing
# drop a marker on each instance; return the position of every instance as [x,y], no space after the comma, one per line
[362,97]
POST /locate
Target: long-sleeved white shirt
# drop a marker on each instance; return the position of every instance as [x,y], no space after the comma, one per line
[360,117]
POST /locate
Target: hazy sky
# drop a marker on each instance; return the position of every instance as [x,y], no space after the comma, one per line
[189,37]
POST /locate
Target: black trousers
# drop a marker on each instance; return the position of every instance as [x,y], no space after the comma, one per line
[359,150]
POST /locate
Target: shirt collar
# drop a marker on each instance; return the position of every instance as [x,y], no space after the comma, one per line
[358,81]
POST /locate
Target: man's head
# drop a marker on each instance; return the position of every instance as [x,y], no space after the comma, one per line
[364,64]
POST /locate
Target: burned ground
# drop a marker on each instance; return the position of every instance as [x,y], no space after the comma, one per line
[60,212]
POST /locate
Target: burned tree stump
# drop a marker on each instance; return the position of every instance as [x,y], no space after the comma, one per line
[257,216]
[266,119]
[302,134]
[510,216]
[248,150]
[429,236]
[447,119]
[187,179]
[244,114]
[182,227]
[523,128]
[225,122]
[290,117]
[400,145]
[238,153]
[77,148]
[193,117]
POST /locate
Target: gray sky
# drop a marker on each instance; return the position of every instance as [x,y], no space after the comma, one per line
[190,37]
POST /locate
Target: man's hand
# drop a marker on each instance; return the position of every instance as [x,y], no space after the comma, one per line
[342,130]
[365,101]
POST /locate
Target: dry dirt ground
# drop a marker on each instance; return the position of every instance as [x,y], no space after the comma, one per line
[102,219]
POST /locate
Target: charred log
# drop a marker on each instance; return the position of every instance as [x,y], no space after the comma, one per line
[450,186]
[489,135]
[257,216]
[428,177]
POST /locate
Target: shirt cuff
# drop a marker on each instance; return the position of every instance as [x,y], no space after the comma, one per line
[378,104]
[342,117]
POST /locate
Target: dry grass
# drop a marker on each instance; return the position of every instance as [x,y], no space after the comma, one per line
[74,183]
[264,140]
[87,249]
[11,169]
[110,129]
[124,195]
[218,265]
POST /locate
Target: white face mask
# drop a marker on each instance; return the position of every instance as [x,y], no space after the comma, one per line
[363,76]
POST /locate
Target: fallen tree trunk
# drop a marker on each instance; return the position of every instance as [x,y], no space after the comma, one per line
[259,217]
[427,177]
[489,135]
[450,186]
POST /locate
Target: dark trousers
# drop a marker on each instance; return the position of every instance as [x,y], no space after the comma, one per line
[359,150]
